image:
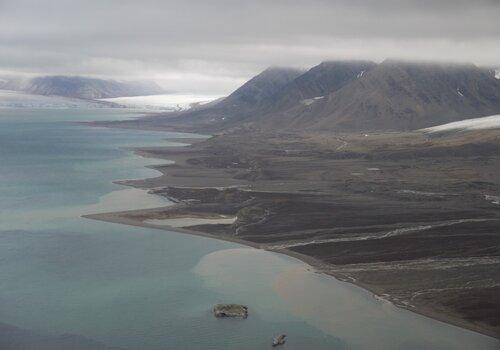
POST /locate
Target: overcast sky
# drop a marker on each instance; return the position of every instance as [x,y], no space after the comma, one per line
[212,46]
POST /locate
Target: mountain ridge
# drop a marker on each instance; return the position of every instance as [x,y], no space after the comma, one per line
[393,95]
[347,96]
[400,95]
[80,87]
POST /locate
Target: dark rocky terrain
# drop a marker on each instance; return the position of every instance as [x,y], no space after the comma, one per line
[80,87]
[411,215]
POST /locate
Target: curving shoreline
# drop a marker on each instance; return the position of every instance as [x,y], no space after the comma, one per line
[317,265]
[134,218]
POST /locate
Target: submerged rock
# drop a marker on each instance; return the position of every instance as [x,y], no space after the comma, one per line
[230,310]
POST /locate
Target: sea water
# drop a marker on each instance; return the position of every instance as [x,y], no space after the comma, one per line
[144,289]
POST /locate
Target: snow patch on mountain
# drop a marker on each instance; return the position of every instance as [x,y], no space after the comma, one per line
[491,122]
[309,101]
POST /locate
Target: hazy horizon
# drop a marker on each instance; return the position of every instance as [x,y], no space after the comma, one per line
[213,48]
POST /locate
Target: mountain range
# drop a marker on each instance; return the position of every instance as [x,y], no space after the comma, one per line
[352,96]
[312,163]
[80,87]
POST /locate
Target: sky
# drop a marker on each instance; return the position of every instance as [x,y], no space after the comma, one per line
[212,46]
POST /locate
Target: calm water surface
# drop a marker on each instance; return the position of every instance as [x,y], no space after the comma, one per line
[138,288]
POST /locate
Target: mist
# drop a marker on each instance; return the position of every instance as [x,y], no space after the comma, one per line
[212,47]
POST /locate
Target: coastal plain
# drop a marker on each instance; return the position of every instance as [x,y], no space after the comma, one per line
[413,217]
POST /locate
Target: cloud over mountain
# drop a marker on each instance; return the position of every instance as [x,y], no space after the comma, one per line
[215,46]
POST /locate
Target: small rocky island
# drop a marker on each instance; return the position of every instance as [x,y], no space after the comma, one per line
[230,310]
[279,340]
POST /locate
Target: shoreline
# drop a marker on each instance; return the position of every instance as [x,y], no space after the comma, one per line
[316,264]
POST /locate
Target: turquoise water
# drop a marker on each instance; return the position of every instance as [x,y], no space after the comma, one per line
[139,288]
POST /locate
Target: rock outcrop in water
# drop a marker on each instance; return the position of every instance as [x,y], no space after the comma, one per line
[279,340]
[230,310]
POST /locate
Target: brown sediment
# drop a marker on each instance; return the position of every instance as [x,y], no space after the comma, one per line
[318,265]
[417,231]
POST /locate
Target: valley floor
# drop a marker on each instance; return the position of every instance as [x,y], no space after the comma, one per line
[413,217]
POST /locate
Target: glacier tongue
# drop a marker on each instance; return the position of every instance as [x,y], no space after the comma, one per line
[491,122]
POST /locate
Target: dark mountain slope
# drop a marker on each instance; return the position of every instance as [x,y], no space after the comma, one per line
[320,80]
[257,90]
[81,87]
[403,96]
[276,90]
[251,96]
[348,96]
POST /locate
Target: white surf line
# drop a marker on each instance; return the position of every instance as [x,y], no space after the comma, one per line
[396,232]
